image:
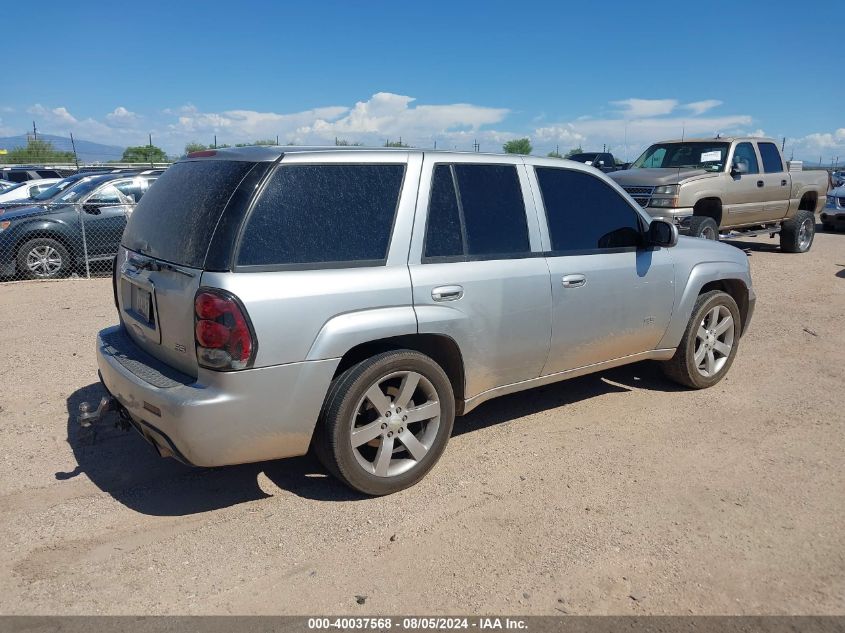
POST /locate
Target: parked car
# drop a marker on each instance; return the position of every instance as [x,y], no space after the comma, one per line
[605,161]
[271,299]
[26,190]
[22,174]
[833,214]
[727,186]
[49,240]
[46,195]
[837,178]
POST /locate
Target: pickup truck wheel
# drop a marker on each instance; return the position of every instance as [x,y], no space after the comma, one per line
[703,226]
[386,422]
[709,344]
[796,234]
[42,258]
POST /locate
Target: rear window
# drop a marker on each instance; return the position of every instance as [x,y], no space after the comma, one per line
[176,218]
[323,214]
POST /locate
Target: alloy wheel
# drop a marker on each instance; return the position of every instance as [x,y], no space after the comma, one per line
[714,341]
[44,261]
[395,423]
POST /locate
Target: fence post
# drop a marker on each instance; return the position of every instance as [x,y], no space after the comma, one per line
[81,214]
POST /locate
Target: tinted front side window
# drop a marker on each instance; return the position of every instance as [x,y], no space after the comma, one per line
[177,216]
[584,213]
[746,159]
[321,214]
[772,162]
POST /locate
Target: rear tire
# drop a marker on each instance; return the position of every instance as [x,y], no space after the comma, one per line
[708,347]
[796,234]
[703,226]
[43,258]
[385,422]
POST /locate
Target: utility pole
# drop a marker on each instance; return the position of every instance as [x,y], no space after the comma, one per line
[75,156]
[277,139]
[215,141]
[150,153]
[782,145]
[34,132]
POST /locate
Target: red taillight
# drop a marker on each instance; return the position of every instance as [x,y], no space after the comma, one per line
[223,335]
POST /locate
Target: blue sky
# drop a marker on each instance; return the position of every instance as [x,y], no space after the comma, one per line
[588,73]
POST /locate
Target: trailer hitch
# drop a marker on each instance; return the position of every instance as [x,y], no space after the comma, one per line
[89,416]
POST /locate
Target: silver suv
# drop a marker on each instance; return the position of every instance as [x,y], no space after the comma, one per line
[356,300]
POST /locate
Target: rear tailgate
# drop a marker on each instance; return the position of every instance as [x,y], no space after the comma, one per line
[156,303]
[164,252]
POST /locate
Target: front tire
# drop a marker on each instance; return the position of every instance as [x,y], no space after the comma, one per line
[704,226]
[43,258]
[386,422]
[708,347]
[796,234]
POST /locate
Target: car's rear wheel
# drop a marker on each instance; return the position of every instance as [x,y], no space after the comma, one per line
[703,226]
[796,234]
[386,422]
[709,344]
[43,258]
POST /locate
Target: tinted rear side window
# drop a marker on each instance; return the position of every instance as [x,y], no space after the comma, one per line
[443,233]
[494,211]
[320,214]
[584,213]
[176,218]
[772,162]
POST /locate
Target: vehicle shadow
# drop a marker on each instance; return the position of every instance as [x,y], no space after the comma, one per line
[841,273]
[123,465]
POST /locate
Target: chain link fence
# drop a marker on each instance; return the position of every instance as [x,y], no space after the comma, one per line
[73,234]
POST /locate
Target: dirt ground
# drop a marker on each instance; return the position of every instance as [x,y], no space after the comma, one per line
[614,493]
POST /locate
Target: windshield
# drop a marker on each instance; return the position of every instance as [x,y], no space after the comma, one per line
[695,155]
[52,192]
[79,189]
[584,158]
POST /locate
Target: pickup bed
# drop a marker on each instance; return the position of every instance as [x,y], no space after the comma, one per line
[729,187]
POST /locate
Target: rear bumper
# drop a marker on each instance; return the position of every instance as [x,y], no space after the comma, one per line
[218,418]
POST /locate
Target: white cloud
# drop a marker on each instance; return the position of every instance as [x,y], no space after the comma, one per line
[700,107]
[827,145]
[121,117]
[58,115]
[636,108]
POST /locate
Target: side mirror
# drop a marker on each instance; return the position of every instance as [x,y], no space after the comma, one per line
[662,233]
[737,169]
[93,209]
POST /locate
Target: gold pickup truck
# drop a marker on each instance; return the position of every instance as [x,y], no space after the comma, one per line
[729,187]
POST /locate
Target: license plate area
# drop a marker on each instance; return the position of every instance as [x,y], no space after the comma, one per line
[139,308]
[142,305]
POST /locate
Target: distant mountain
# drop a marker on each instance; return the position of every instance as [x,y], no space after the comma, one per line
[88,151]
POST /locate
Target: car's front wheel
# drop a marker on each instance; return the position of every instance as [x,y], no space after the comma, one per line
[385,422]
[709,344]
[43,258]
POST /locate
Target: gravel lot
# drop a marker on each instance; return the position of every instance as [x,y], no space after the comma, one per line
[614,493]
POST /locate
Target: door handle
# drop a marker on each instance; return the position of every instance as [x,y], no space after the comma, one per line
[573,281]
[759,183]
[783,183]
[447,293]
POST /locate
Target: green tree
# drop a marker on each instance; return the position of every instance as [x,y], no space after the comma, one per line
[573,151]
[518,146]
[144,154]
[342,142]
[266,141]
[554,154]
[37,152]
[195,147]
[398,143]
